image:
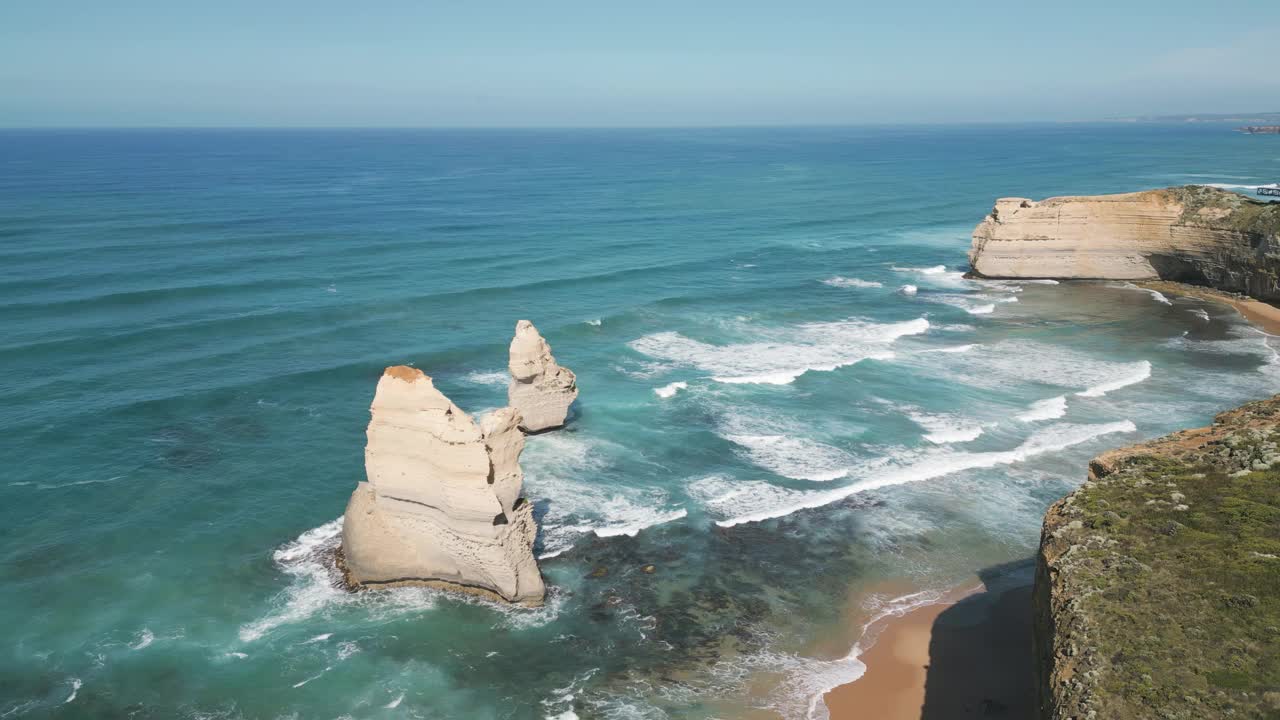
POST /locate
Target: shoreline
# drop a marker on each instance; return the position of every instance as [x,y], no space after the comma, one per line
[1265,317]
[968,654]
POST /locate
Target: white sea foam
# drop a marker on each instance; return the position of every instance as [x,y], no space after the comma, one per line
[318,638]
[594,323]
[844,282]
[313,677]
[670,390]
[76,684]
[741,502]
[908,289]
[488,378]
[1137,372]
[1049,409]
[394,703]
[1155,294]
[952,349]
[628,520]
[936,275]
[788,354]
[944,429]
[795,457]
[145,638]
[984,304]
[565,468]
[999,364]
[933,270]
[1200,313]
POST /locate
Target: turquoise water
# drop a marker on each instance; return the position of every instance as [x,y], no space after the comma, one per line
[194,322]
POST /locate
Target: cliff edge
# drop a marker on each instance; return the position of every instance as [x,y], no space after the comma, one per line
[1157,591]
[1194,234]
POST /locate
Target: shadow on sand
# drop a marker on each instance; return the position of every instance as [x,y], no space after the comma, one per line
[980,655]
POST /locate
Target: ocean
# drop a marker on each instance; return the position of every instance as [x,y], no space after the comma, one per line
[792,404]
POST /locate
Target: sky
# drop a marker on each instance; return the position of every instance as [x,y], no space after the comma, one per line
[579,63]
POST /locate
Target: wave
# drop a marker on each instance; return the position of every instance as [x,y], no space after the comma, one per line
[1139,371]
[936,274]
[741,502]
[908,290]
[145,638]
[952,349]
[76,684]
[488,378]
[1050,409]
[998,364]
[813,347]
[844,282]
[565,469]
[639,519]
[394,703]
[1155,294]
[593,323]
[670,390]
[944,429]
[793,457]
[1200,313]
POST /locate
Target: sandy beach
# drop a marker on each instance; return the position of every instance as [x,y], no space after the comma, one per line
[969,656]
[1266,317]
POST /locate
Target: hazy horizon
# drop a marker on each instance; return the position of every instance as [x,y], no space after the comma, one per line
[570,64]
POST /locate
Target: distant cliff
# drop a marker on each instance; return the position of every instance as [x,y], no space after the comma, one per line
[1193,234]
[1157,591]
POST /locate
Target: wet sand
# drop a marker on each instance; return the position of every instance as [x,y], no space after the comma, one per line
[971,657]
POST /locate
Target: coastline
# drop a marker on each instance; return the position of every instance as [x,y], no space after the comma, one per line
[968,654]
[1265,317]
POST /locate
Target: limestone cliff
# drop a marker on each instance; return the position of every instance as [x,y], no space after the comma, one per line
[540,389]
[442,504]
[1194,234]
[1157,591]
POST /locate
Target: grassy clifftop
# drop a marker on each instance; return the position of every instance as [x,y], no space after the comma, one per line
[1158,588]
[1212,207]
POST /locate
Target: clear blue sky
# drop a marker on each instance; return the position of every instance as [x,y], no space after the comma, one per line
[659,62]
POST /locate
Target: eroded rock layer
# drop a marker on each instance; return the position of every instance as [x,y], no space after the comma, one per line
[1194,234]
[1157,591]
[540,388]
[442,504]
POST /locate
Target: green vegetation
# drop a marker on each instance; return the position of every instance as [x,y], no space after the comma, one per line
[1232,210]
[1179,564]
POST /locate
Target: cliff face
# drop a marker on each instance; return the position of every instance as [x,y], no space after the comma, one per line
[1157,592]
[1194,234]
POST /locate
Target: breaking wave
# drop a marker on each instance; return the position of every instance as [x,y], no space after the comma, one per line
[670,390]
[564,469]
[1050,409]
[1138,372]
[738,502]
[818,347]
[844,282]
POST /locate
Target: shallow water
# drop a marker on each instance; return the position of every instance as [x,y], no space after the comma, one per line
[195,321]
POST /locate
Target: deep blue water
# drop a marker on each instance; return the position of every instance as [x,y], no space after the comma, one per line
[194,322]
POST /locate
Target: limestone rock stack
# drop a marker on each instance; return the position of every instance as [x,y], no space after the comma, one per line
[540,389]
[442,503]
[1193,234]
